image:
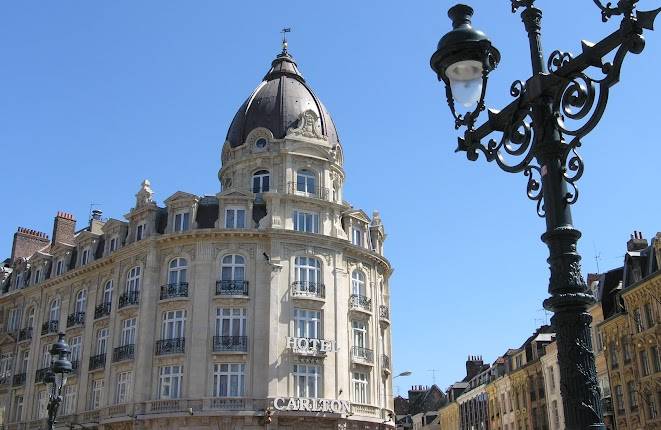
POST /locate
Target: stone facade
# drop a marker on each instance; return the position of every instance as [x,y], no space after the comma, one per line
[266,304]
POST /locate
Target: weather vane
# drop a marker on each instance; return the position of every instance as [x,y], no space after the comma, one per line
[284,32]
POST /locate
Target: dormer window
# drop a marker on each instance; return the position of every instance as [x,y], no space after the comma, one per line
[85,257]
[261,181]
[140,232]
[37,276]
[357,236]
[181,221]
[59,267]
[19,281]
[235,217]
[113,244]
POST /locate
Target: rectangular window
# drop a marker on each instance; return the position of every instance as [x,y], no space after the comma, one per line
[59,267]
[306,221]
[228,379]
[230,322]
[235,218]
[651,407]
[75,343]
[359,329]
[307,323]
[613,354]
[96,399]
[644,363]
[551,378]
[45,355]
[19,281]
[656,359]
[181,221]
[357,236]
[18,408]
[649,315]
[633,396]
[14,320]
[626,349]
[37,276]
[42,404]
[101,341]
[123,390]
[169,384]
[360,391]
[25,360]
[113,244]
[69,398]
[128,332]
[6,361]
[638,320]
[84,258]
[140,232]
[174,324]
[307,381]
[619,398]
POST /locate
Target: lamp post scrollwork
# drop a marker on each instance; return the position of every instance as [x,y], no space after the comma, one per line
[538,134]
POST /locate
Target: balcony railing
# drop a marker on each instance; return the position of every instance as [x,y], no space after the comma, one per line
[129,298]
[19,379]
[124,352]
[232,288]
[40,374]
[97,361]
[230,343]
[49,327]
[357,301]
[385,361]
[171,346]
[308,289]
[315,192]
[25,334]
[76,318]
[172,291]
[102,310]
[362,354]
[384,312]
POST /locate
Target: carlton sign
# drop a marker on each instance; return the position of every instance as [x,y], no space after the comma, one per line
[312,405]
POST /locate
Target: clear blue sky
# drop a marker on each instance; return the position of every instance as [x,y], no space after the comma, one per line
[96,96]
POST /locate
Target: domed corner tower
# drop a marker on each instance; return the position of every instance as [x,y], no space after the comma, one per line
[324,309]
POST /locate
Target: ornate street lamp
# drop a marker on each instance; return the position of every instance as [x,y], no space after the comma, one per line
[538,134]
[57,375]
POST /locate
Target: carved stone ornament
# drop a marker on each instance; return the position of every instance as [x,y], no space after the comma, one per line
[145,195]
[308,125]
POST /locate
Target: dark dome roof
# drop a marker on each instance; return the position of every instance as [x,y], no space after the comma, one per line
[277,103]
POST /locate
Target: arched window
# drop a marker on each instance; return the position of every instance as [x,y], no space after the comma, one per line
[307,270]
[177,271]
[54,311]
[107,292]
[358,283]
[81,301]
[233,268]
[133,280]
[260,181]
[29,320]
[305,182]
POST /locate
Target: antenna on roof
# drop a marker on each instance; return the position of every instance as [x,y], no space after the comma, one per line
[597,256]
[284,32]
[433,375]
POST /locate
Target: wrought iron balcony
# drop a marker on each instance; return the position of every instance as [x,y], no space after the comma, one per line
[76,318]
[170,346]
[102,310]
[384,312]
[19,379]
[362,354]
[232,288]
[308,289]
[357,301]
[315,192]
[124,352]
[97,362]
[40,375]
[385,362]
[25,334]
[49,327]
[129,298]
[230,343]
[172,291]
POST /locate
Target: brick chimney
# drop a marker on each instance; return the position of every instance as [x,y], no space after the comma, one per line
[27,242]
[64,228]
[636,243]
[474,366]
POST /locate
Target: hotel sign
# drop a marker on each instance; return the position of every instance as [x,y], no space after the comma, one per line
[312,405]
[304,345]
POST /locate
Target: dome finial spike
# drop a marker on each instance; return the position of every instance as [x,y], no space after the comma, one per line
[284,32]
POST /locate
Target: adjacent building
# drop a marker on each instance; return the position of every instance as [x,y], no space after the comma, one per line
[266,303]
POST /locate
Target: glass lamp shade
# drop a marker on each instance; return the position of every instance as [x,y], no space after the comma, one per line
[465,81]
[60,379]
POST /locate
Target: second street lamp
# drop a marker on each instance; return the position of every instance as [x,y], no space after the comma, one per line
[539,133]
[57,375]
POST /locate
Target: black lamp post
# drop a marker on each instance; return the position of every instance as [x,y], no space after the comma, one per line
[538,134]
[57,375]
